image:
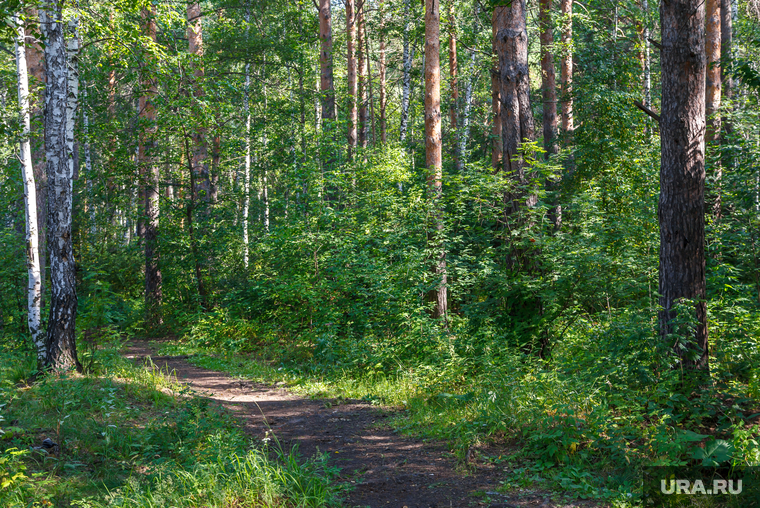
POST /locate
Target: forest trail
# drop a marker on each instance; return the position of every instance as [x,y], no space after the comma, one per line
[386,469]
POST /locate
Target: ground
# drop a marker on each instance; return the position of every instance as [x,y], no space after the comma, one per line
[383,468]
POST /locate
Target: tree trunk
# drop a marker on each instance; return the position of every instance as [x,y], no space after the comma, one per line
[200,143]
[326,61]
[468,94]
[517,117]
[713,74]
[247,112]
[433,148]
[566,68]
[34,286]
[370,95]
[35,62]
[406,82]
[351,71]
[362,79]
[382,76]
[453,69]
[61,334]
[682,172]
[646,60]
[150,178]
[496,143]
[548,81]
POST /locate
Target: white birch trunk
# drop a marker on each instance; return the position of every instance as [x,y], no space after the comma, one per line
[247,174]
[72,93]
[34,287]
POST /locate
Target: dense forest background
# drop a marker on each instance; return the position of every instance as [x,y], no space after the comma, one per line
[218,200]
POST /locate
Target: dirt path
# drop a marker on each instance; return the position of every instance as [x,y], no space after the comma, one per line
[387,470]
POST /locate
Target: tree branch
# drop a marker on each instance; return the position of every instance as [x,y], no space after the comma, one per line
[647,111]
[655,43]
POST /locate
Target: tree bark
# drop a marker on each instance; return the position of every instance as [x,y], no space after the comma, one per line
[682,172]
[247,112]
[34,286]
[406,82]
[61,333]
[548,81]
[713,74]
[149,171]
[370,95]
[453,70]
[433,148]
[382,77]
[497,22]
[362,79]
[566,68]
[326,61]
[200,142]
[517,117]
[351,72]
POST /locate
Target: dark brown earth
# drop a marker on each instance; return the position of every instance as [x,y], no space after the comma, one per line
[385,468]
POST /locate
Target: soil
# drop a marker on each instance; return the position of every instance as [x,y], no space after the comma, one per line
[384,468]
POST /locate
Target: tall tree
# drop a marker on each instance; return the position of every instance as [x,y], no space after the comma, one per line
[61,338]
[149,171]
[351,74]
[406,81]
[326,61]
[566,67]
[382,77]
[362,78]
[497,20]
[199,134]
[453,69]
[548,82]
[34,287]
[247,165]
[433,148]
[516,116]
[682,171]
[713,75]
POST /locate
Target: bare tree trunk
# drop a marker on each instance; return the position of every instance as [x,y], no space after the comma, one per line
[362,79]
[517,117]
[326,61]
[61,334]
[406,82]
[497,23]
[370,95]
[150,179]
[566,68]
[247,111]
[264,153]
[382,72]
[713,74]
[200,143]
[34,286]
[468,94]
[647,56]
[682,173]
[433,146]
[453,69]
[548,81]
[351,71]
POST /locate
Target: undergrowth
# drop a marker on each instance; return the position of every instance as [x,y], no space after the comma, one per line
[128,436]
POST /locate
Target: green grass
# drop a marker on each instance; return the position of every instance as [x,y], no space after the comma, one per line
[133,437]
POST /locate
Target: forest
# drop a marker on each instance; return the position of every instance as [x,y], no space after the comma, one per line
[528,230]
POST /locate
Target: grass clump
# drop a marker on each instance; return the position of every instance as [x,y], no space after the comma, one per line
[123,435]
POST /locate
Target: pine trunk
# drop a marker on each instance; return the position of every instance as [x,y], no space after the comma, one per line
[406,82]
[200,143]
[566,68]
[548,81]
[326,61]
[382,77]
[682,172]
[351,72]
[497,22]
[453,70]
[433,148]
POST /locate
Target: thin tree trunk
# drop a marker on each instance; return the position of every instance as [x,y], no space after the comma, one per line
[647,56]
[382,72]
[326,61]
[149,171]
[468,94]
[203,296]
[713,74]
[548,81]
[496,143]
[264,153]
[200,143]
[406,82]
[61,334]
[726,45]
[369,86]
[453,69]
[34,286]
[362,79]
[682,173]
[433,146]
[351,71]
[566,68]
[247,111]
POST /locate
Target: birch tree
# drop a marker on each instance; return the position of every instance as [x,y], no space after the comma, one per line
[34,286]
[61,343]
